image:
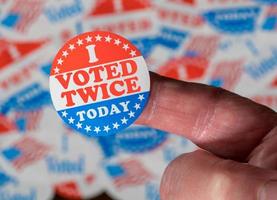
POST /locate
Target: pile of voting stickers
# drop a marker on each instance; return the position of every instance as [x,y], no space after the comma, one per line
[225,43]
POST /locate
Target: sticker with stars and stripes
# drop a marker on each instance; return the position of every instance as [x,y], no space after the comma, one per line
[99,83]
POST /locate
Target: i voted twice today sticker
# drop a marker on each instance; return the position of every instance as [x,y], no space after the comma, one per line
[99,83]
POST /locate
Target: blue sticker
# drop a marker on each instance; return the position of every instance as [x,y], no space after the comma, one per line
[171,38]
[5,179]
[30,98]
[270,23]
[64,12]
[65,166]
[132,140]
[263,66]
[233,20]
[11,20]
[267,1]
[29,195]
[145,45]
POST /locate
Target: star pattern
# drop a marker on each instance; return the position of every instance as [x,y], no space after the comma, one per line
[79,42]
[131,114]
[98,37]
[71,120]
[88,38]
[64,114]
[107,128]
[125,47]
[124,120]
[108,39]
[137,106]
[88,128]
[141,97]
[117,42]
[65,53]
[79,125]
[60,61]
[94,38]
[56,70]
[97,129]
[71,47]
[133,53]
[113,126]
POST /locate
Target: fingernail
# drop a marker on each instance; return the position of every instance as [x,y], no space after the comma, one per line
[269,192]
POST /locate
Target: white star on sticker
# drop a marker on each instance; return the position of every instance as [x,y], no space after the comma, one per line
[141,97]
[117,42]
[87,128]
[115,125]
[131,114]
[98,37]
[71,47]
[60,61]
[88,38]
[124,120]
[125,47]
[79,42]
[65,53]
[133,53]
[137,106]
[107,128]
[79,125]
[71,120]
[56,70]
[108,39]
[97,129]
[64,113]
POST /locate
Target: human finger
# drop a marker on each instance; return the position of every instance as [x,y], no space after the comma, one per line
[201,175]
[217,120]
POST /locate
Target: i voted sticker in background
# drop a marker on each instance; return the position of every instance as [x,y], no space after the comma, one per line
[99,83]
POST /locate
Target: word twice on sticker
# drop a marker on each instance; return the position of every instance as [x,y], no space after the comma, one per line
[99,82]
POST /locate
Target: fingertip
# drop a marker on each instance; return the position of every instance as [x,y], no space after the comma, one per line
[148,112]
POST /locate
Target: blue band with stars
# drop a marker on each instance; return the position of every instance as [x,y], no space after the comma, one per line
[106,117]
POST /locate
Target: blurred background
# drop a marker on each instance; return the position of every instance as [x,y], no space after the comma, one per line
[224,43]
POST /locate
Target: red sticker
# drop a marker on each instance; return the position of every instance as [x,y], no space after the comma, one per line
[99,83]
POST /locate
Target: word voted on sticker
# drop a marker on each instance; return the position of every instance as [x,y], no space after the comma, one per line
[99,83]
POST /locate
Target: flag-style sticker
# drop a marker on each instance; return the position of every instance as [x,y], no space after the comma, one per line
[99,83]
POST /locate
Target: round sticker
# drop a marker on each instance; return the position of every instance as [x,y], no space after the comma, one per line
[99,83]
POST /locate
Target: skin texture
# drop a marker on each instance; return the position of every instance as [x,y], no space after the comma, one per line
[237,137]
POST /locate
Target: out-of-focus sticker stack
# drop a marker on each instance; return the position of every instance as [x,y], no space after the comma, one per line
[230,44]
